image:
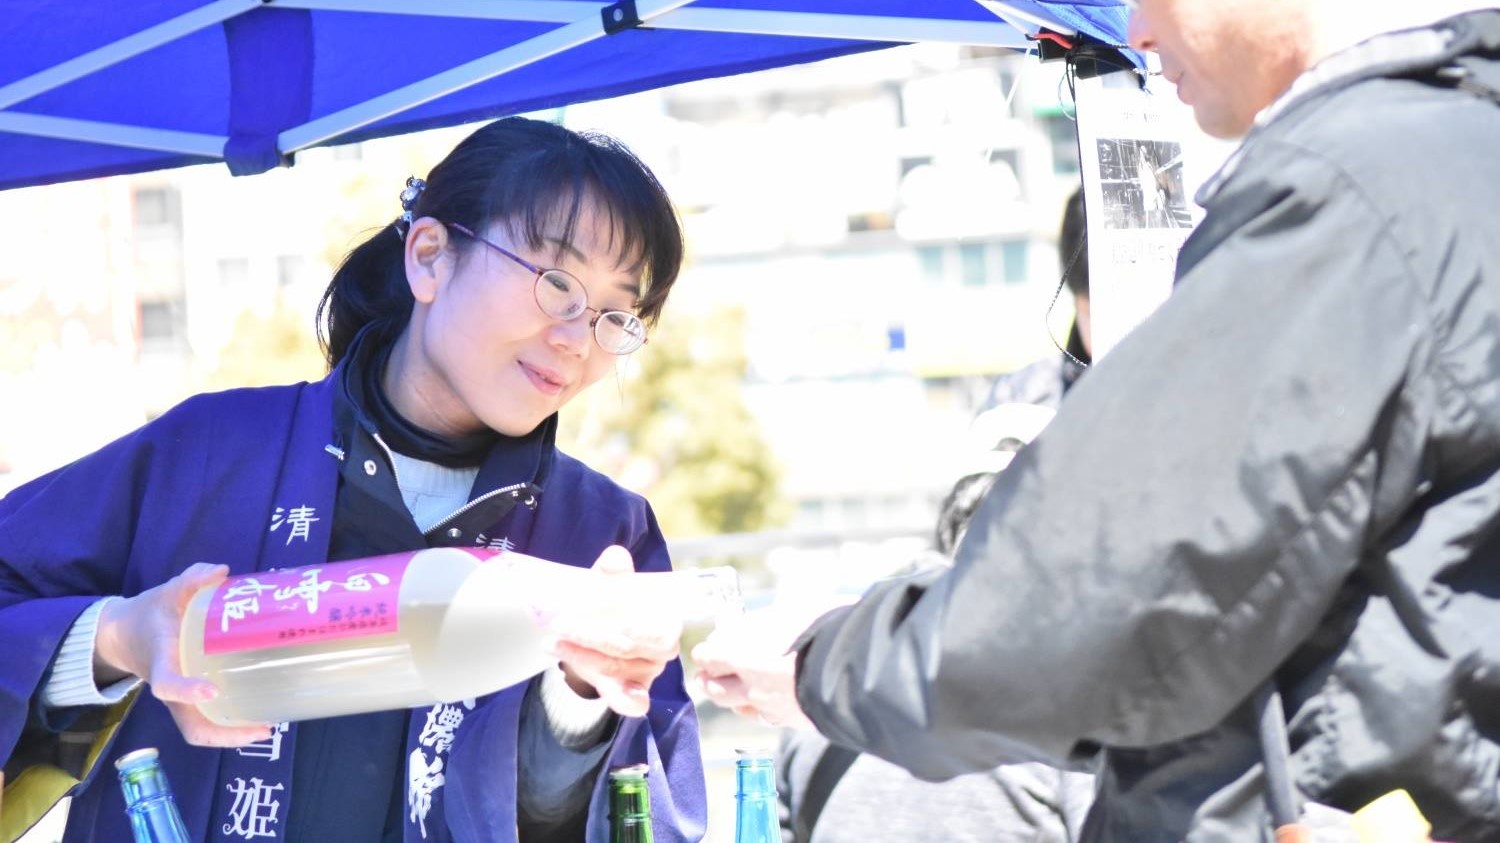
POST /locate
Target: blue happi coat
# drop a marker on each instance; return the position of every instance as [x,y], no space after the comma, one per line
[203,483]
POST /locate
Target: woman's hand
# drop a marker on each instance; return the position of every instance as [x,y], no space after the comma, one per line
[138,636]
[615,641]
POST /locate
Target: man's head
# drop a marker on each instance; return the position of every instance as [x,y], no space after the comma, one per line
[1228,58]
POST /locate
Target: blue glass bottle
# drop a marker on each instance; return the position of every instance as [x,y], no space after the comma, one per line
[755,798]
[148,799]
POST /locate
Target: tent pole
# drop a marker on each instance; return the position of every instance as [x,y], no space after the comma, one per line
[533,11]
[113,134]
[896,30]
[125,48]
[888,28]
[465,75]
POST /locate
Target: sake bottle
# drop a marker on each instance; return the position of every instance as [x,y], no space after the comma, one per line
[404,630]
[755,798]
[629,805]
[148,799]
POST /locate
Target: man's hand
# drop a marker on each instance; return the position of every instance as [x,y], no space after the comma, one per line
[615,642]
[138,636]
[744,666]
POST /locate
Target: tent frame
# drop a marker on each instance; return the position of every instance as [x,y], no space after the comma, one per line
[1014,31]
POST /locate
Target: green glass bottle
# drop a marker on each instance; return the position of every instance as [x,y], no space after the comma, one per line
[755,798]
[629,805]
[148,799]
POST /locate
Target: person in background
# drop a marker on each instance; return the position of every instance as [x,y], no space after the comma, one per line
[1045,382]
[831,794]
[1252,563]
[525,264]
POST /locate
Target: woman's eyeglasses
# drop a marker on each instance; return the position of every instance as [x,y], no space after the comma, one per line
[563,297]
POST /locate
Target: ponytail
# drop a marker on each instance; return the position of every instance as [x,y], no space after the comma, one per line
[368,289]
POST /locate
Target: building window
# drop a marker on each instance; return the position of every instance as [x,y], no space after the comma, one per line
[931,260]
[1013,256]
[234,273]
[1063,134]
[288,270]
[975,269]
[162,323]
[157,207]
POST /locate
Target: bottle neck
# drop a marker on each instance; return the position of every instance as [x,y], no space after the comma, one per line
[154,817]
[755,801]
[629,811]
[755,778]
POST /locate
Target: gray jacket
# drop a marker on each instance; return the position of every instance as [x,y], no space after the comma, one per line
[875,800]
[1290,472]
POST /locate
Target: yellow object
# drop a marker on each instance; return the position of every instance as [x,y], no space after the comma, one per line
[1393,818]
[32,793]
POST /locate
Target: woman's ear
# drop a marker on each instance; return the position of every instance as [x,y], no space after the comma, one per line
[429,262]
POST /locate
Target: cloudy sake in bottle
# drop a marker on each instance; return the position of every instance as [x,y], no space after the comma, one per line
[409,629]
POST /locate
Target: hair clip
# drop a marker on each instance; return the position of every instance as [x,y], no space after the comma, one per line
[409,196]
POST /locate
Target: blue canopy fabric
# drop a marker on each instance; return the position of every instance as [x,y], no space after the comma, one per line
[91,88]
[1103,20]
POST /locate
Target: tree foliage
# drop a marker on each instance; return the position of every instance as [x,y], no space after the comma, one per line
[676,429]
[265,349]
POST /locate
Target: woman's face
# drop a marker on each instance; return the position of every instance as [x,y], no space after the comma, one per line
[478,351]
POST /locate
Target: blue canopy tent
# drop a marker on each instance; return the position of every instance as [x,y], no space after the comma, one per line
[90,88]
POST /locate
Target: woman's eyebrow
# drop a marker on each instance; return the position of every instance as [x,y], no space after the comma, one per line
[627,286]
[567,247]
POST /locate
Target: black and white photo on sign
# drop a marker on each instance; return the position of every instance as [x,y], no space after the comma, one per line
[1142,185]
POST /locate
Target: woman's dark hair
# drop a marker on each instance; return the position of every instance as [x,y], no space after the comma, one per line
[532,175]
[1073,246]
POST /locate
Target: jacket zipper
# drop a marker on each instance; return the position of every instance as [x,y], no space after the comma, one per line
[514,490]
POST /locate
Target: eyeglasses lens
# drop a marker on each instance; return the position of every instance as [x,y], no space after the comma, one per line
[619,332]
[560,295]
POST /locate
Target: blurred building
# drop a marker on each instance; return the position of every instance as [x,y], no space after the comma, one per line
[888,223]
[121,294]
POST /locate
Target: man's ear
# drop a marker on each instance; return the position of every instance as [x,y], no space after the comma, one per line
[429,261]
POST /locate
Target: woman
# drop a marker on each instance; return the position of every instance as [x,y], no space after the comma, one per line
[526,263]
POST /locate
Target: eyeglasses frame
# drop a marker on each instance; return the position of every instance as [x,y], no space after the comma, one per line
[540,271]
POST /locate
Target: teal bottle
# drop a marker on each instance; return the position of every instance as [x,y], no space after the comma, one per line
[148,799]
[629,805]
[755,798]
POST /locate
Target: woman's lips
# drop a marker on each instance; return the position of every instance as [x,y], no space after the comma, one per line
[545,380]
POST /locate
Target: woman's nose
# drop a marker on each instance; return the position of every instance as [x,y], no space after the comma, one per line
[573,335]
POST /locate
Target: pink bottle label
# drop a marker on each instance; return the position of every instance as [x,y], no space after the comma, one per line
[303,605]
